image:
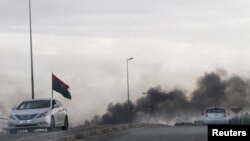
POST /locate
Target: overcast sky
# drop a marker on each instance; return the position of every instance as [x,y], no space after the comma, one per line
[86,44]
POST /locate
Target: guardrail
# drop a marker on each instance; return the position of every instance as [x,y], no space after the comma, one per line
[98,130]
[3,129]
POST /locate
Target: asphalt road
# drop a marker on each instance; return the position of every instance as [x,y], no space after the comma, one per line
[161,133]
[41,136]
[48,136]
[155,133]
[38,136]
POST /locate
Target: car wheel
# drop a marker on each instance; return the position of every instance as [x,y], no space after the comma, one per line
[52,124]
[66,123]
[12,131]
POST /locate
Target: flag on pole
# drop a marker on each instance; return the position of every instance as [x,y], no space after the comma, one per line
[60,87]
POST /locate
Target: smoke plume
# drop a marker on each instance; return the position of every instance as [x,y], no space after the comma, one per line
[213,90]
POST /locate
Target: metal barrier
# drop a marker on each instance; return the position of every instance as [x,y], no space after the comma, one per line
[3,129]
[3,118]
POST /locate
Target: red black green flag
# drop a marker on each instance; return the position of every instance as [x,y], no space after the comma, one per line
[60,87]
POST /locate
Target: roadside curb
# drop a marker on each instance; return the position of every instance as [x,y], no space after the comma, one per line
[95,132]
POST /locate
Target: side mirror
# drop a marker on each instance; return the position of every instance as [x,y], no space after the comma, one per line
[55,106]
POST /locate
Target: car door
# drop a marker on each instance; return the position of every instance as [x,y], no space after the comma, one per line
[61,113]
[56,112]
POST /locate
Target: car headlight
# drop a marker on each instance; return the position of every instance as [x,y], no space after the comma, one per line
[43,114]
[12,117]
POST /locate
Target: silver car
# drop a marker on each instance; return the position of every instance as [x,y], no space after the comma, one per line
[38,114]
[215,115]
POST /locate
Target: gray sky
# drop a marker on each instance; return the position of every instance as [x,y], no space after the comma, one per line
[86,44]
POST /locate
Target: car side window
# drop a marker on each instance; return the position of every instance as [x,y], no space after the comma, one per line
[53,103]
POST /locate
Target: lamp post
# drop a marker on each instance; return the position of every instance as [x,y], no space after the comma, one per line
[31,55]
[128,87]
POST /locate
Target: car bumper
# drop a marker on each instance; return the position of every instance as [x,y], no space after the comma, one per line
[39,123]
[215,121]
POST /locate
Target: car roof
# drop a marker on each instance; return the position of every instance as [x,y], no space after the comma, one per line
[38,99]
[215,108]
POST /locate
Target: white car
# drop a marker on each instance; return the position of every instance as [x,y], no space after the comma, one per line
[38,114]
[215,116]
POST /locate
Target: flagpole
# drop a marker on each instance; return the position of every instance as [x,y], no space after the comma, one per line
[52,84]
[52,93]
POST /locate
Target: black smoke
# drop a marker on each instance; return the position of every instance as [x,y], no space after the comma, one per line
[213,90]
[118,113]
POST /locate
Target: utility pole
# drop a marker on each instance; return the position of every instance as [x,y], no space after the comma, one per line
[31,55]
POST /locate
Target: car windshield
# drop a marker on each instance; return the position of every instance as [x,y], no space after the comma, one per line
[215,110]
[34,104]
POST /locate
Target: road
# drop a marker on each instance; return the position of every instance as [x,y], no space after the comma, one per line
[38,136]
[42,135]
[55,135]
[152,133]
[163,133]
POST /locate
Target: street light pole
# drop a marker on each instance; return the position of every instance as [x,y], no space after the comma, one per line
[128,87]
[31,55]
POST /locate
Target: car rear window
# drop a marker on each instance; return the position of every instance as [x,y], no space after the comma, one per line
[216,110]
